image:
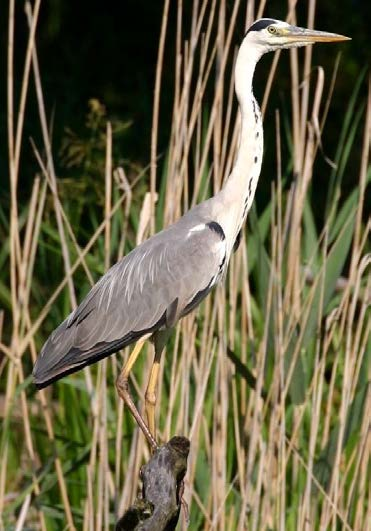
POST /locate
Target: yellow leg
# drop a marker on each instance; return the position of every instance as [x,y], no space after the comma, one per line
[122,385]
[160,338]
[151,396]
[133,357]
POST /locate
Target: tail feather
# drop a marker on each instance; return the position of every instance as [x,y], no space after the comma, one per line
[60,357]
[50,362]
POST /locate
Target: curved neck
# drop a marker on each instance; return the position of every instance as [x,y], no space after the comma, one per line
[239,189]
[251,121]
[246,61]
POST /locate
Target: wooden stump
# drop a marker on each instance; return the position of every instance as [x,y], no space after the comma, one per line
[162,476]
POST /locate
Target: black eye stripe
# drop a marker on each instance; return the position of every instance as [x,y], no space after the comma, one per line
[261,24]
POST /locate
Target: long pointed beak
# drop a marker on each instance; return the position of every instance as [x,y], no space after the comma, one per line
[296,34]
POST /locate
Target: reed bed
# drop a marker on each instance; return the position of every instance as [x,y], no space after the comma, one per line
[269,378]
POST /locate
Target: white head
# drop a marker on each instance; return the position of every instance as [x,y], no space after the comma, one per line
[268,35]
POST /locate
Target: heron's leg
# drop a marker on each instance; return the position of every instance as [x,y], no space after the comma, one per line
[151,394]
[160,339]
[122,385]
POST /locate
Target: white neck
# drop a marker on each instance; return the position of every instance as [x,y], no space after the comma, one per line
[239,189]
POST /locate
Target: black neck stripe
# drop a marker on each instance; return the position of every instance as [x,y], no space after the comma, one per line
[261,24]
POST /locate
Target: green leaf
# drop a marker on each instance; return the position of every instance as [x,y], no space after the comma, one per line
[299,381]
[310,236]
[257,234]
[337,256]
[350,124]
[331,269]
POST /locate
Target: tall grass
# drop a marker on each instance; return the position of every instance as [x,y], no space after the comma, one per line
[269,378]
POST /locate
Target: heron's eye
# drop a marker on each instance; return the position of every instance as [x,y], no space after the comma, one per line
[272,30]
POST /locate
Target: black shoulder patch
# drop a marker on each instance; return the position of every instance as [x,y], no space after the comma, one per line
[214,226]
[261,24]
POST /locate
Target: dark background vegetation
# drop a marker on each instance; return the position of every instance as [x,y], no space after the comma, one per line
[108,51]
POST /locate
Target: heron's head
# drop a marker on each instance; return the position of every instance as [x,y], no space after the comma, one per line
[267,35]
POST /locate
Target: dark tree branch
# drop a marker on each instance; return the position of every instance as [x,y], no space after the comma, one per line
[159,507]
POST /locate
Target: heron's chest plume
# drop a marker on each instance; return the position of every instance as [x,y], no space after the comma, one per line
[238,193]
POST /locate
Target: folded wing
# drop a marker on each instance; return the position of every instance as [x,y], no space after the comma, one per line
[152,287]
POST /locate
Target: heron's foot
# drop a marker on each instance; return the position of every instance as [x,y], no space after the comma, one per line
[122,386]
[183,503]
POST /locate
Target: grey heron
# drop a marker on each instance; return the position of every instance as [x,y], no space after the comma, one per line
[163,279]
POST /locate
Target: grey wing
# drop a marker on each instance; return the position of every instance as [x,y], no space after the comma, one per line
[157,283]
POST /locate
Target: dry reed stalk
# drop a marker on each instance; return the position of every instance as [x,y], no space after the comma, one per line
[63,214]
[15,253]
[156,106]
[25,82]
[14,241]
[280,332]
[26,265]
[50,166]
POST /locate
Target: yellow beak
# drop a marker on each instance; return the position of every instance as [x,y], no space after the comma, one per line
[297,34]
